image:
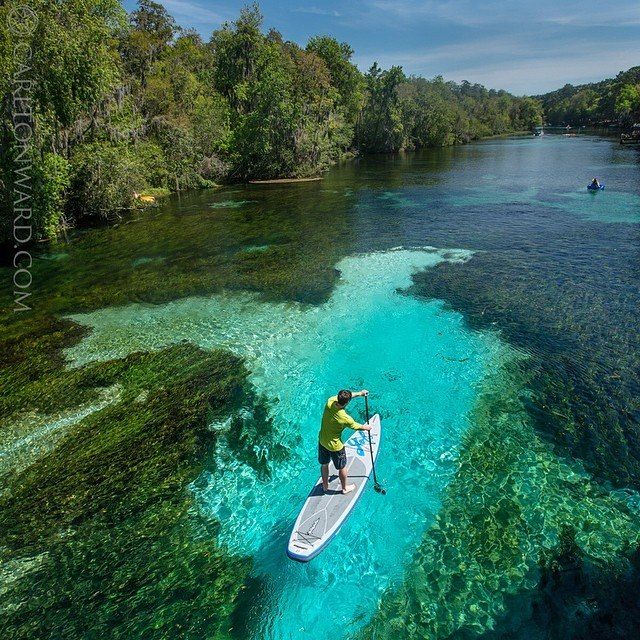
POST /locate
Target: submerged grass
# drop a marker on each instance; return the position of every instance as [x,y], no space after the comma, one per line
[581,331]
[32,367]
[575,597]
[200,251]
[504,512]
[142,445]
[103,523]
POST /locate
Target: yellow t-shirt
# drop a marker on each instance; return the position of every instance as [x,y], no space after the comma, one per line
[334,420]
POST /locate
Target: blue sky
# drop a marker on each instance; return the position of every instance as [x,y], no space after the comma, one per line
[524,47]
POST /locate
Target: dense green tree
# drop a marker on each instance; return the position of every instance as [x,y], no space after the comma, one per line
[287,118]
[380,127]
[345,76]
[439,113]
[628,103]
[237,48]
[153,29]
[69,65]
[430,119]
[104,178]
[527,113]
[594,104]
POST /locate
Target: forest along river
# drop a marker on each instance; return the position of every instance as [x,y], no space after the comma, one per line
[533,268]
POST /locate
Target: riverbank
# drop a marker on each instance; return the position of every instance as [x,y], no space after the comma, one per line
[242,118]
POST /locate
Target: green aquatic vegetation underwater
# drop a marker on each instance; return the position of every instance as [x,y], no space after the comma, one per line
[585,384]
[208,251]
[230,204]
[100,533]
[32,366]
[503,514]
[146,260]
[575,597]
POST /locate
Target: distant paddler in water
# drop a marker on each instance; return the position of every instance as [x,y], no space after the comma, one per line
[330,446]
[595,185]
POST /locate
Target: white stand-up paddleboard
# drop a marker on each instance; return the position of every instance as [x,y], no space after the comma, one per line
[323,514]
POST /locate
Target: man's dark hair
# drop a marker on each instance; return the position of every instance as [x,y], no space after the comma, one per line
[344,396]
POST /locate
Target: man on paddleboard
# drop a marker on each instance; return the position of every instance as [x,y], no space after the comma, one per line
[330,447]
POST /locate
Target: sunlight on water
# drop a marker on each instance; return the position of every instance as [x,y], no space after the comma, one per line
[602,206]
[423,367]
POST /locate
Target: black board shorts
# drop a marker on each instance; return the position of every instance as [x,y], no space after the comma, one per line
[339,458]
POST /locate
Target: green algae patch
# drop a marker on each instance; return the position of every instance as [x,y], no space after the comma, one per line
[263,272]
[251,439]
[32,367]
[583,346]
[108,512]
[230,204]
[167,256]
[507,507]
[34,434]
[157,574]
[134,446]
[575,597]
[142,260]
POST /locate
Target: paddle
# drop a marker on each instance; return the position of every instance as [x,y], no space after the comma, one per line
[378,487]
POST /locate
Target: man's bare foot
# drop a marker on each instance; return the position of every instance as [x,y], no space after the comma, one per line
[349,488]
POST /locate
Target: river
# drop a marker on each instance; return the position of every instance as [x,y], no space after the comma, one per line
[487,300]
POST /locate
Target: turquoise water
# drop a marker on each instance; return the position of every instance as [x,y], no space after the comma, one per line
[505,370]
[602,206]
[423,368]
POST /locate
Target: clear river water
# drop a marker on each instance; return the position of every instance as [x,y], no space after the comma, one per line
[489,303]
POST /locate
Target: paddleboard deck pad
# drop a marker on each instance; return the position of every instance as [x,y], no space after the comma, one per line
[323,514]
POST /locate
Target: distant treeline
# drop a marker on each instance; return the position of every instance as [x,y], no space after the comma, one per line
[612,101]
[132,103]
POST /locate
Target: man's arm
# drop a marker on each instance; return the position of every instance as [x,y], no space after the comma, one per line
[355,425]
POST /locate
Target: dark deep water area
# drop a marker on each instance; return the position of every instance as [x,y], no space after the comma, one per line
[160,405]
